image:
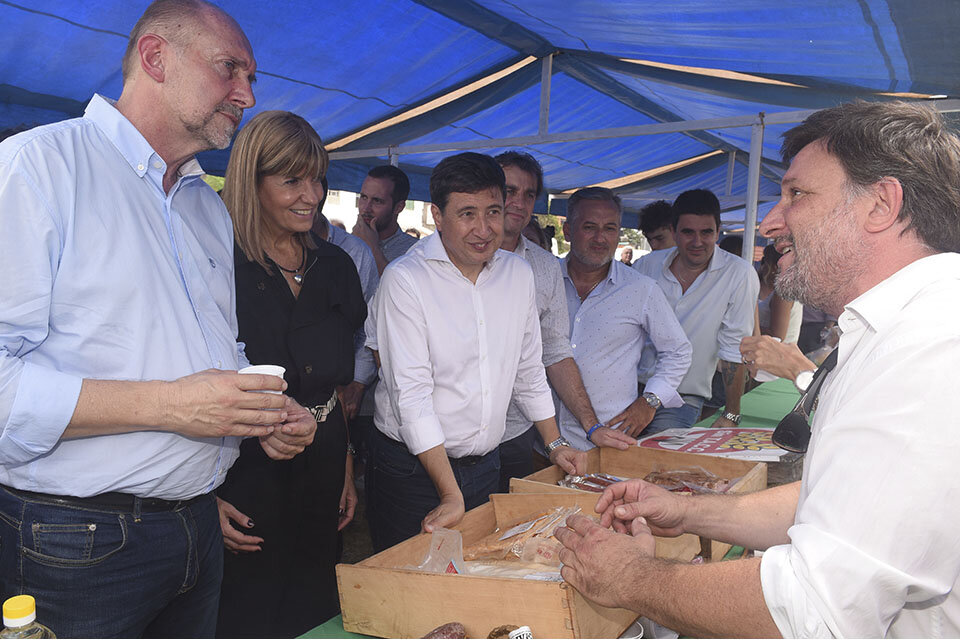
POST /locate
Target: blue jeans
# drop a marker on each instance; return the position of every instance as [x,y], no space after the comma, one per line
[516,458]
[685,416]
[400,493]
[100,572]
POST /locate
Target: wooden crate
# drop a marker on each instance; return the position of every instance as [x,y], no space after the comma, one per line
[379,598]
[636,462]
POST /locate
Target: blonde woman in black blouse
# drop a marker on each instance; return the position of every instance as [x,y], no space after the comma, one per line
[299,303]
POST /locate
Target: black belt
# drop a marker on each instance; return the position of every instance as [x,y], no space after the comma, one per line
[465,461]
[114,501]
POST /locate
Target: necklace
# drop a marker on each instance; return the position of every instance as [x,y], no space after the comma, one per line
[590,290]
[684,281]
[297,273]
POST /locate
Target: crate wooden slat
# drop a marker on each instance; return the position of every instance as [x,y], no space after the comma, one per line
[380,598]
[637,462]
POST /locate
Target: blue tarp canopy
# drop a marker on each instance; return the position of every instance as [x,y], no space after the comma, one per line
[394,74]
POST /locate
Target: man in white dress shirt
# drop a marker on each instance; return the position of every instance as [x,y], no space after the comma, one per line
[524,180]
[714,294]
[457,331]
[614,312]
[866,544]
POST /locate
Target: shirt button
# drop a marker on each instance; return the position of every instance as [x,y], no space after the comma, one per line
[140,167]
[219,364]
[573,346]
[156,165]
[578,319]
[308,369]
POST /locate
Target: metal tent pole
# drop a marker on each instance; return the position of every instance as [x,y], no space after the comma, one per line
[753,189]
[546,74]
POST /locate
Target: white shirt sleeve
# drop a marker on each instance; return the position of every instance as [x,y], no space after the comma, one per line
[674,352]
[737,322]
[555,321]
[401,333]
[872,536]
[531,391]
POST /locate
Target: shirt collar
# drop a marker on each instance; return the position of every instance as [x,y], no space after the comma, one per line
[613,273]
[392,237]
[717,261]
[129,141]
[879,306]
[433,249]
[521,249]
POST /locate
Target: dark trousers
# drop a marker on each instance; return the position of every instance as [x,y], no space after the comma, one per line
[100,572]
[400,493]
[516,458]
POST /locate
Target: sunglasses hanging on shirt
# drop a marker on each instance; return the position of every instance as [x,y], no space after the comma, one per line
[793,432]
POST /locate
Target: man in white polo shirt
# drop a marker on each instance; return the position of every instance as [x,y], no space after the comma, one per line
[714,294]
[456,327]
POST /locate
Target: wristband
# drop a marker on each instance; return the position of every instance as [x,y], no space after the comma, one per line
[732,417]
[592,429]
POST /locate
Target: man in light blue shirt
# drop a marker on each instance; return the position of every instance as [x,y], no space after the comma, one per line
[120,408]
[614,312]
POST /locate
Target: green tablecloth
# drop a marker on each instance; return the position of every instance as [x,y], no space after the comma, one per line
[332,628]
[765,405]
[761,407]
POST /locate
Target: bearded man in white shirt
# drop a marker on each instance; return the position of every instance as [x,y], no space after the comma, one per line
[456,328]
[866,544]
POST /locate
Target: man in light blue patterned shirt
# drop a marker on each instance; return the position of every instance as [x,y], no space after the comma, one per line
[614,312]
[120,406]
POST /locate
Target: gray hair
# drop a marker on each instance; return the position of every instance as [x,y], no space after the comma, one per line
[601,194]
[166,18]
[903,140]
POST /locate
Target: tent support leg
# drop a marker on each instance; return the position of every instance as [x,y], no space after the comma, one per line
[753,189]
[546,73]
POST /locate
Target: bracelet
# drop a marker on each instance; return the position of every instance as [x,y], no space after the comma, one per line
[352,450]
[592,429]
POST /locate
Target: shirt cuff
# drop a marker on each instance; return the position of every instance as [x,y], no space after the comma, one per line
[785,598]
[537,408]
[731,355]
[421,434]
[552,354]
[667,394]
[45,402]
[364,366]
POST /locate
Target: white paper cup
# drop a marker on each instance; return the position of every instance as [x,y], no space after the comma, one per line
[267,370]
[766,376]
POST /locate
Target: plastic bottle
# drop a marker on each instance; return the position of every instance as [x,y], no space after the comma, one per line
[20,619]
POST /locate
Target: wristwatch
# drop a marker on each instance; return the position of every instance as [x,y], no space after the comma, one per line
[803,380]
[652,400]
[732,417]
[556,444]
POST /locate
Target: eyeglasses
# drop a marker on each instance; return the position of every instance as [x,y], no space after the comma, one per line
[793,432]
